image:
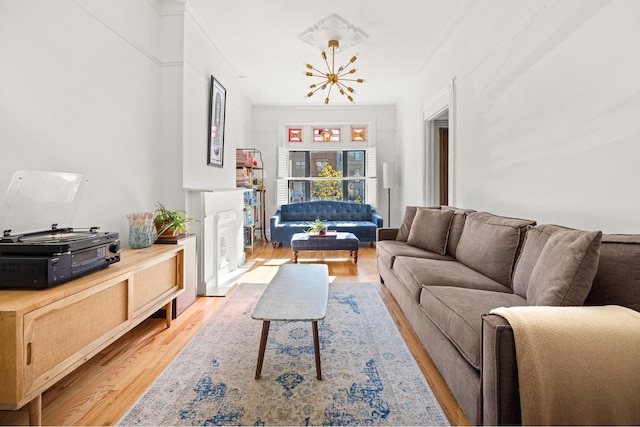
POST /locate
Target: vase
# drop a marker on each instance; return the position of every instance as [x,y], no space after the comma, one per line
[142,231]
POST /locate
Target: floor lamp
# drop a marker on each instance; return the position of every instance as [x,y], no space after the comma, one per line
[387,182]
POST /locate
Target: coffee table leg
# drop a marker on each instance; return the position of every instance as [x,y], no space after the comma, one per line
[263,346]
[316,348]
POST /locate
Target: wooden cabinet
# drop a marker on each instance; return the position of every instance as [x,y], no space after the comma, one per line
[187,298]
[46,334]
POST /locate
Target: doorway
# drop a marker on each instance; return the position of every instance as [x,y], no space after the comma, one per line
[443,142]
[439,167]
[438,163]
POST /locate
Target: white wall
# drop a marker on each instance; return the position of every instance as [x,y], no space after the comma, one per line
[202,59]
[117,91]
[268,134]
[80,92]
[548,102]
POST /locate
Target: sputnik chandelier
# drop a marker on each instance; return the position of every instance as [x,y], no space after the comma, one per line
[333,77]
[340,34]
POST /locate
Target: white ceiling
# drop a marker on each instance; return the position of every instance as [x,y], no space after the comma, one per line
[259,39]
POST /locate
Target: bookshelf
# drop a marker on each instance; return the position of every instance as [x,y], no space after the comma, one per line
[250,176]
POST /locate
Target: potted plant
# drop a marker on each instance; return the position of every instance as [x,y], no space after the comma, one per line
[171,223]
[317,227]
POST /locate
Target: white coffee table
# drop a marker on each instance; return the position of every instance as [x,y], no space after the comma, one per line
[298,292]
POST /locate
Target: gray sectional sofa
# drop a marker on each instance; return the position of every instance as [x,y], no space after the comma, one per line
[448,268]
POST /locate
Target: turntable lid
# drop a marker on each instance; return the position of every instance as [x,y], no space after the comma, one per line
[36,200]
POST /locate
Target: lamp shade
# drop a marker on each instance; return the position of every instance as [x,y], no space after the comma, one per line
[388,173]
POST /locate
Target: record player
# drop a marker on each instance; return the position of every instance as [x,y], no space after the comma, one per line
[34,252]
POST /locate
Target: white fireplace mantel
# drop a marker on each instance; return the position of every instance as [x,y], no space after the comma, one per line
[219,227]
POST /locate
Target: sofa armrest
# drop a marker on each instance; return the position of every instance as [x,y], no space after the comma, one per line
[376,218]
[500,388]
[274,221]
[386,234]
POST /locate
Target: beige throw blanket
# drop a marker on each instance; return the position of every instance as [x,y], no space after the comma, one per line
[577,365]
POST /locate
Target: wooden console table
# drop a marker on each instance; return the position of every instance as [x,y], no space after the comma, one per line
[46,334]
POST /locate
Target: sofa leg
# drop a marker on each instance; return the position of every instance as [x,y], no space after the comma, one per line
[381,280]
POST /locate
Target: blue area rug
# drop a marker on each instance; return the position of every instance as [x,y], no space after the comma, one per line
[369,374]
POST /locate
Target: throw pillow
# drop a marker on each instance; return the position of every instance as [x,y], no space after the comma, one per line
[430,229]
[565,270]
[409,215]
[405,227]
[455,230]
[535,239]
[490,244]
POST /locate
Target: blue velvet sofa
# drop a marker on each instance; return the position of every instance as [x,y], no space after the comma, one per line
[356,218]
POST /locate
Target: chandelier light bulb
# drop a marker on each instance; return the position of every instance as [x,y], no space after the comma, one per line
[333,77]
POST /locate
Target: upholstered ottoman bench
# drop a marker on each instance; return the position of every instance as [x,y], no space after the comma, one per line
[331,242]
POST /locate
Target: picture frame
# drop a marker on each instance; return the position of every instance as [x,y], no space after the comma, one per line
[217,110]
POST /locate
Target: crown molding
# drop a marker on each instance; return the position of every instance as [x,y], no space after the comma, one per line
[119,33]
[169,7]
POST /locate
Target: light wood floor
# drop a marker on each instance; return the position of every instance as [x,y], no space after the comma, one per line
[101,390]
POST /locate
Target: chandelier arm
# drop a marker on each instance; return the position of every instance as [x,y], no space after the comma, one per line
[342,86]
[329,93]
[352,80]
[318,71]
[327,62]
[322,76]
[347,73]
[326,101]
[345,67]
[310,94]
[343,90]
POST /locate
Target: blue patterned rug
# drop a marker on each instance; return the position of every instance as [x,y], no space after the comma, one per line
[369,374]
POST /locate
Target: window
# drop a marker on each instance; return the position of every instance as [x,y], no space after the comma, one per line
[327,175]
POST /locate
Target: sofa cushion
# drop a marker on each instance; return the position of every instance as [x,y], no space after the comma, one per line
[418,272]
[326,210]
[456,227]
[490,244]
[388,250]
[365,230]
[534,241]
[430,229]
[565,270]
[458,314]
[617,281]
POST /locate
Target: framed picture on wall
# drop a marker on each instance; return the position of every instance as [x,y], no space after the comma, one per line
[217,103]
